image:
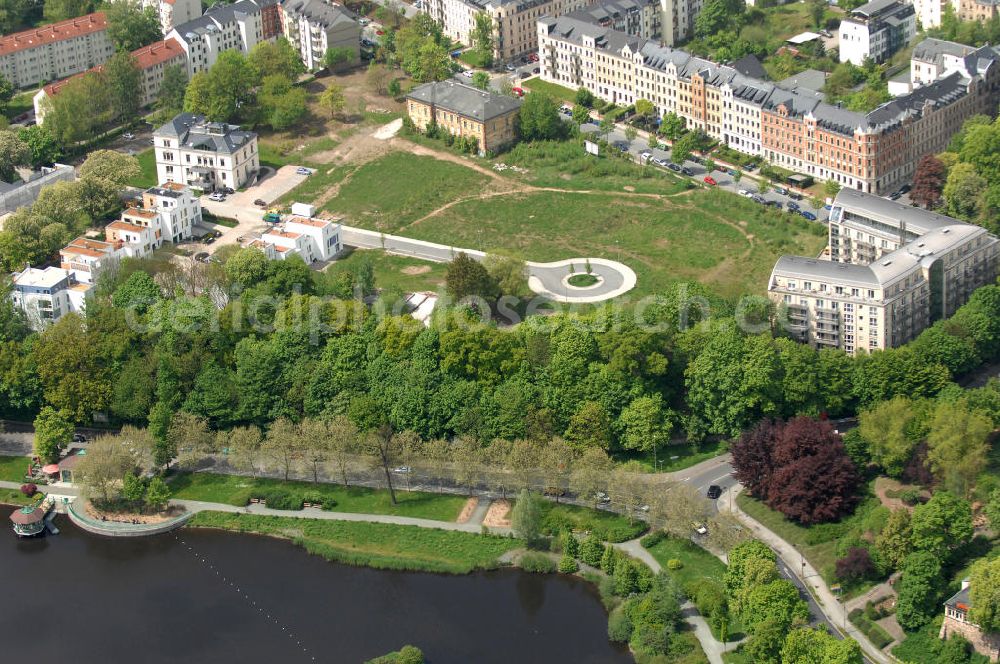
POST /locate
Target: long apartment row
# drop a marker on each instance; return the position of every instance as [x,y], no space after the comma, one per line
[789,126]
[55,52]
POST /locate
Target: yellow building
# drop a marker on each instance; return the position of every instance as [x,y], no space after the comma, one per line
[489,118]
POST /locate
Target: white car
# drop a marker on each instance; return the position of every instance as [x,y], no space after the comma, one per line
[744,192]
[128,136]
[302,170]
[402,470]
[363,21]
[217,196]
[603,498]
[467,73]
[700,529]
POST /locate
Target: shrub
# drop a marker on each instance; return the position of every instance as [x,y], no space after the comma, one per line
[29,489]
[911,496]
[536,563]
[619,625]
[592,551]
[626,577]
[609,561]
[570,544]
[567,565]
[279,499]
[652,539]
[674,564]
[856,565]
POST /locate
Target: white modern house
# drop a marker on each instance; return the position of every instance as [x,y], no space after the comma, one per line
[301,235]
[47,295]
[205,155]
[86,258]
[240,26]
[177,208]
[314,26]
[876,30]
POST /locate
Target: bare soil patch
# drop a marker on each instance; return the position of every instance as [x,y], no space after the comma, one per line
[467,510]
[413,270]
[498,514]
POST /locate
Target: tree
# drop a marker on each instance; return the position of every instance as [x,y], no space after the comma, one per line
[963,191]
[244,444]
[645,425]
[539,118]
[716,16]
[481,80]
[277,58]
[526,517]
[395,90]
[589,426]
[133,488]
[283,445]
[52,433]
[928,182]
[509,273]
[591,473]
[172,88]
[101,470]
[224,93]
[917,602]
[584,97]
[984,591]
[138,293]
[384,446]
[958,445]
[332,100]
[481,37]
[892,430]
[14,152]
[61,10]
[16,15]
[816,488]
[894,542]
[467,277]
[778,601]
[644,108]
[337,58]
[810,646]
[752,456]
[41,144]
[103,175]
[157,494]
[189,435]
[740,558]
[672,126]
[581,115]
[678,508]
[992,509]
[725,532]
[81,108]
[281,103]
[343,442]
[855,565]
[941,525]
[131,26]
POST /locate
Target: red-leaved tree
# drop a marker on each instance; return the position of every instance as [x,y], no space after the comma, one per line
[752,456]
[855,565]
[928,182]
[816,488]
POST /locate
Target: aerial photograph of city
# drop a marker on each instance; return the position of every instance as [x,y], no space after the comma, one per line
[500,331]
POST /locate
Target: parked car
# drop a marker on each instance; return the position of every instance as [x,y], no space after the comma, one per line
[210,240]
[659,162]
[709,180]
[510,67]
[467,73]
[525,74]
[696,159]
[700,528]
[714,491]
[128,136]
[776,204]
[536,70]
[645,155]
[808,215]
[757,198]
[795,196]
[402,470]
[621,145]
[780,190]
[895,196]
[731,172]
[79,438]
[793,206]
[217,196]
[674,167]
[905,189]
[217,233]
[518,91]
[603,498]
[272,217]
[524,60]
[363,21]
[744,192]
[302,170]
[227,190]
[687,171]
[260,203]
[533,57]
[565,110]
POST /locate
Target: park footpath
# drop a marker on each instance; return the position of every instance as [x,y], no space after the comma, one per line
[808,575]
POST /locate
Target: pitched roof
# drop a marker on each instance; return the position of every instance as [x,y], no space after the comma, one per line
[157,53]
[467,101]
[54,32]
[319,12]
[193,132]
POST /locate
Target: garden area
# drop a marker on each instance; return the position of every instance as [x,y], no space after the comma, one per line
[239,490]
[672,457]
[607,526]
[147,162]
[394,273]
[12,468]
[378,545]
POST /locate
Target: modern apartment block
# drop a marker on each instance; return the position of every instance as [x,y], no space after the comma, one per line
[173,12]
[151,61]
[487,117]
[55,51]
[313,26]
[205,155]
[794,127]
[237,26]
[87,257]
[178,209]
[893,271]
[310,238]
[876,30]
[47,295]
[514,20]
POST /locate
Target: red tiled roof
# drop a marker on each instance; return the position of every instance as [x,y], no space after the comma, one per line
[157,53]
[49,34]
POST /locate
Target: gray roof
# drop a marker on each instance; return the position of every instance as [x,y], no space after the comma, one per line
[470,102]
[608,10]
[221,14]
[193,132]
[814,268]
[749,65]
[891,212]
[320,12]
[876,8]
[168,193]
[961,597]
[931,50]
[810,79]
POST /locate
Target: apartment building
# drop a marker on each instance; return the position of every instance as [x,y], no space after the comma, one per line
[313,26]
[307,237]
[642,18]
[172,12]
[177,208]
[55,51]
[956,621]
[205,155]
[87,258]
[788,125]
[47,295]
[151,61]
[240,26]
[894,270]
[876,30]
[488,117]
[930,12]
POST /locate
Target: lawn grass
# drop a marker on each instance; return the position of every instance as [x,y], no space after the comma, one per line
[608,526]
[673,457]
[699,564]
[21,103]
[236,490]
[473,58]
[210,218]
[12,468]
[313,186]
[389,270]
[554,90]
[147,178]
[400,188]
[378,545]
[15,497]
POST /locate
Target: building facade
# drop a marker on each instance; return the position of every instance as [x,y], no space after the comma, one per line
[205,155]
[87,258]
[313,26]
[893,271]
[177,208]
[876,30]
[172,12]
[956,621]
[237,26]
[55,51]
[47,295]
[307,237]
[487,117]
[151,61]
[786,124]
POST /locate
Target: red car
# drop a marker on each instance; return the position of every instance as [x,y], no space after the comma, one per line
[533,57]
[710,180]
[518,91]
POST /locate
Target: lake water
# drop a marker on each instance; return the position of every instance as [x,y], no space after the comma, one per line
[198,596]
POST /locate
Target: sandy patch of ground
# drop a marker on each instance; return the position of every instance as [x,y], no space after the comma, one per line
[467,510]
[498,515]
[413,270]
[387,131]
[883,485]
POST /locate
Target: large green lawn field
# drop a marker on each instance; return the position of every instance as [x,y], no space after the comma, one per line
[236,490]
[698,564]
[399,273]
[12,468]
[379,545]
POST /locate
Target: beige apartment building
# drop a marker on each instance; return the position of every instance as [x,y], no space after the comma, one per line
[55,51]
[894,270]
[489,118]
